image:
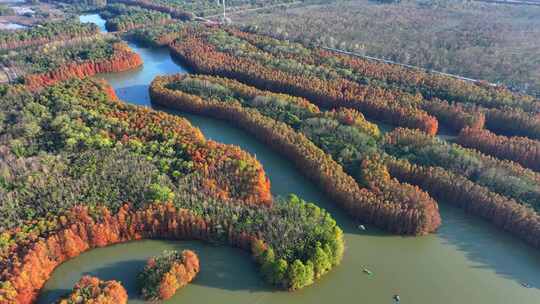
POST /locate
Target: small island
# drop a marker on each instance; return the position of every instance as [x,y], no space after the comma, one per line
[93,290]
[163,275]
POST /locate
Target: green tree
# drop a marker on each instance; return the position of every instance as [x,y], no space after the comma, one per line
[300,275]
[321,261]
[159,193]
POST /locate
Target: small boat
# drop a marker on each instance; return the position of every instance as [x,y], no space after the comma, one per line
[367,271]
[526,285]
[362,227]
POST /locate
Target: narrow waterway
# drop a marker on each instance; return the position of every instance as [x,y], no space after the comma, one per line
[467,261]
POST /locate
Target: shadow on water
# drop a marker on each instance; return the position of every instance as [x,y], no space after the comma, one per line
[488,247]
[135,92]
[53,294]
[218,271]
[123,271]
[222,267]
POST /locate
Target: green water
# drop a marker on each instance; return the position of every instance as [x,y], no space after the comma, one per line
[466,261]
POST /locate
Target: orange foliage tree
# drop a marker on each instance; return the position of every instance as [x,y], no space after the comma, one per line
[121,60]
[502,211]
[163,275]
[93,290]
[454,102]
[399,208]
[205,53]
[519,149]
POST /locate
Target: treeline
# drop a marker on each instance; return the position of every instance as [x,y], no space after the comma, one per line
[503,177]
[279,65]
[485,186]
[468,38]
[163,275]
[513,122]
[455,103]
[272,118]
[93,290]
[187,10]
[430,84]
[82,3]
[480,101]
[504,212]
[454,116]
[214,51]
[43,65]
[477,102]
[45,33]
[519,149]
[311,57]
[160,6]
[122,59]
[157,36]
[120,17]
[170,142]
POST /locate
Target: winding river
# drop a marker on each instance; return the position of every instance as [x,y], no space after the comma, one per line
[467,261]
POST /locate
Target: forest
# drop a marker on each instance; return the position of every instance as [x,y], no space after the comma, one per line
[203,49]
[293,126]
[271,64]
[156,36]
[46,33]
[312,140]
[518,149]
[388,145]
[44,65]
[497,43]
[187,10]
[82,147]
[334,80]
[504,177]
[121,17]
[175,11]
